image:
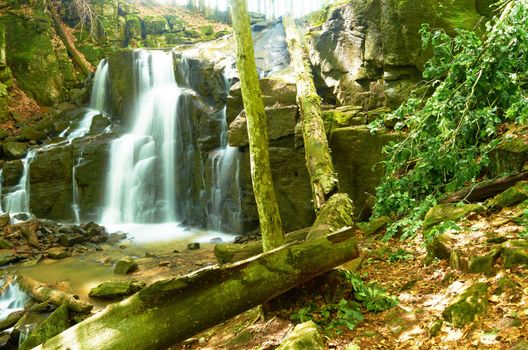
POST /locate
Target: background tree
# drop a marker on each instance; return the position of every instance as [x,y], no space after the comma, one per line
[268,210]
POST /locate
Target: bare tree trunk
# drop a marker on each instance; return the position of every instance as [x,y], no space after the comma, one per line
[318,158]
[170,311]
[268,210]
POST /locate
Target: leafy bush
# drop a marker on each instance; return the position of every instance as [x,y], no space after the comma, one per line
[477,85]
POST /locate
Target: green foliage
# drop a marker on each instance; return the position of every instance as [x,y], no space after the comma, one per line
[346,314]
[399,255]
[476,84]
[370,295]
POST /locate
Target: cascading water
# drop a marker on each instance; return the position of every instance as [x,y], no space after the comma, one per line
[17,200]
[12,299]
[98,104]
[1,182]
[145,179]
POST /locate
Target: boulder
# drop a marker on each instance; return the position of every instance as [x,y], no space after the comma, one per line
[57,322]
[31,134]
[281,122]
[357,156]
[468,305]
[15,150]
[4,220]
[515,253]
[305,336]
[154,25]
[116,289]
[441,246]
[125,266]
[483,264]
[449,212]
[58,253]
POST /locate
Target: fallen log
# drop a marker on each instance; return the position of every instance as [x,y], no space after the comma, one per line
[77,58]
[231,252]
[318,158]
[41,292]
[172,310]
[484,190]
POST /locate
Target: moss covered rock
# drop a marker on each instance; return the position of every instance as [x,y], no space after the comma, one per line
[116,289]
[468,305]
[515,253]
[484,264]
[374,225]
[511,196]
[57,322]
[15,150]
[154,25]
[134,28]
[125,266]
[441,246]
[304,336]
[449,212]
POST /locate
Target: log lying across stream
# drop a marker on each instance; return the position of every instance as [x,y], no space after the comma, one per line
[172,310]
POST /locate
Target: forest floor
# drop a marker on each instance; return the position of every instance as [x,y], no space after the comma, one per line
[423,292]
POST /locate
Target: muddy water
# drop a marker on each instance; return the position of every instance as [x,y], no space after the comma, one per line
[155,248]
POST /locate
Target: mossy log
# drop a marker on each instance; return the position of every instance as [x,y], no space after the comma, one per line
[85,67]
[318,158]
[485,189]
[172,310]
[40,292]
[231,252]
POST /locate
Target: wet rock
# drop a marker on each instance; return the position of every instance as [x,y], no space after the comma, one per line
[57,322]
[4,220]
[304,336]
[116,289]
[15,150]
[31,134]
[468,305]
[125,266]
[216,240]
[193,246]
[21,217]
[449,212]
[57,253]
[515,253]
[7,257]
[70,239]
[11,320]
[116,237]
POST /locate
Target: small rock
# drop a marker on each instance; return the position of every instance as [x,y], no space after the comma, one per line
[216,240]
[164,263]
[465,307]
[515,253]
[5,244]
[4,220]
[483,264]
[57,253]
[435,328]
[202,341]
[116,237]
[304,336]
[125,266]
[116,289]
[193,246]
[70,239]
[21,217]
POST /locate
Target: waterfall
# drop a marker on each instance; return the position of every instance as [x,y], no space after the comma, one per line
[98,102]
[17,200]
[148,181]
[12,298]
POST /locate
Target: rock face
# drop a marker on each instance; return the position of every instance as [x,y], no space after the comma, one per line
[368,53]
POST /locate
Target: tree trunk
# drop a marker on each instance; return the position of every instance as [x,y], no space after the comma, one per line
[268,210]
[80,61]
[318,158]
[41,292]
[170,311]
[231,252]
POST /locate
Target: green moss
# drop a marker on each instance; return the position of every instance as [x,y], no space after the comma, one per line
[449,212]
[374,225]
[515,253]
[511,196]
[483,264]
[154,25]
[133,27]
[176,24]
[468,305]
[57,322]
